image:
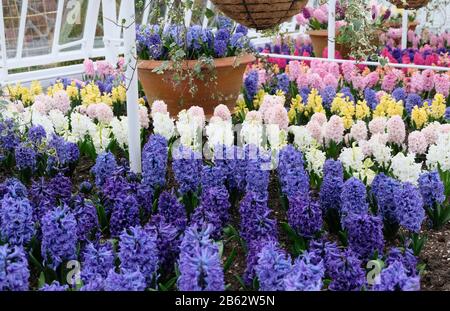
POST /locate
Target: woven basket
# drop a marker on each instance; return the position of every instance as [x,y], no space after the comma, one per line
[260,14]
[410,4]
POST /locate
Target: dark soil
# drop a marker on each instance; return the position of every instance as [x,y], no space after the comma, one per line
[82,171]
[436,256]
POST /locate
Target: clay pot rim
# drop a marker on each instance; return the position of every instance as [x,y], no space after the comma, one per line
[218,62]
[319,32]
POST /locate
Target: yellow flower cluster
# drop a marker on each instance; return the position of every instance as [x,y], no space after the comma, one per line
[345,108]
[72,90]
[90,94]
[241,109]
[362,110]
[299,108]
[429,111]
[296,109]
[22,93]
[119,94]
[52,90]
[258,99]
[314,103]
[141,101]
[419,116]
[388,107]
[35,88]
[437,108]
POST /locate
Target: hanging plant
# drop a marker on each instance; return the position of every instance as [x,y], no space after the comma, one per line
[182,64]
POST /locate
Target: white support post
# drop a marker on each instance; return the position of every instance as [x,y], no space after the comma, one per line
[205,18]
[58,25]
[404,29]
[111,31]
[134,128]
[3,55]
[331,28]
[146,14]
[21,35]
[187,17]
[90,26]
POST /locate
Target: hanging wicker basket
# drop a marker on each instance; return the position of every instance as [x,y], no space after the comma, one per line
[409,4]
[260,14]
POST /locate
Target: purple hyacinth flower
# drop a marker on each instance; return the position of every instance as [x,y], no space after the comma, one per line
[37,134]
[14,188]
[105,164]
[409,207]
[97,262]
[214,209]
[125,213]
[354,197]
[172,210]
[86,215]
[14,271]
[395,277]
[432,188]
[331,188]
[125,281]
[187,166]
[251,84]
[293,177]
[199,263]
[365,234]
[154,161]
[16,220]
[346,273]
[168,241]
[54,287]
[272,268]
[138,251]
[307,273]
[383,188]
[304,216]
[59,236]
[25,158]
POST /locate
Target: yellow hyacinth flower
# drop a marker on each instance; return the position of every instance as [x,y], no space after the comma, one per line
[51,90]
[419,116]
[141,101]
[90,94]
[36,88]
[72,90]
[389,107]
[258,98]
[348,121]
[106,99]
[362,110]
[437,108]
[314,103]
[119,93]
[297,107]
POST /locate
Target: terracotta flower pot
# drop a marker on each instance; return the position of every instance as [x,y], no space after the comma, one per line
[411,25]
[319,41]
[229,73]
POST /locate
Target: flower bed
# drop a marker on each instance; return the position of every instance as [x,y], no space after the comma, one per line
[321,171]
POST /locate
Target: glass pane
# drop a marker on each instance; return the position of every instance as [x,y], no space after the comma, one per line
[73,21]
[98,41]
[11,14]
[39,27]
